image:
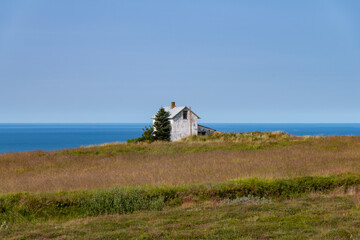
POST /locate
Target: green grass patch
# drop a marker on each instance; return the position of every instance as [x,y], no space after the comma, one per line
[193,144]
[309,217]
[31,206]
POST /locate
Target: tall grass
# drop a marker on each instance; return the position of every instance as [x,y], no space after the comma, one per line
[33,207]
[214,158]
[215,141]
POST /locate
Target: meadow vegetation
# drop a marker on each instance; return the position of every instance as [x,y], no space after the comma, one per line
[237,185]
[215,158]
[315,216]
[44,206]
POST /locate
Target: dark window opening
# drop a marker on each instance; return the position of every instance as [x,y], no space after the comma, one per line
[184,114]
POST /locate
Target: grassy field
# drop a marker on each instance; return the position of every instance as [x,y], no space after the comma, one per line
[217,158]
[253,185]
[315,216]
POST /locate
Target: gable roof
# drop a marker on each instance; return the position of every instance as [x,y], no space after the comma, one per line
[202,126]
[175,111]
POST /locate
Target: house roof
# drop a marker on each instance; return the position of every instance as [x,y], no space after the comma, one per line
[206,127]
[175,111]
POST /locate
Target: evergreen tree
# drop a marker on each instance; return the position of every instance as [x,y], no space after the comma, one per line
[148,134]
[162,125]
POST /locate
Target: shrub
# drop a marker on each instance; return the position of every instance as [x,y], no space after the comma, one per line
[119,201]
[147,136]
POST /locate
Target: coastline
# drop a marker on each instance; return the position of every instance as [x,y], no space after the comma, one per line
[48,137]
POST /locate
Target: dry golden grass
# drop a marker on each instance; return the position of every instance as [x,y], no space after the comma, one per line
[183,162]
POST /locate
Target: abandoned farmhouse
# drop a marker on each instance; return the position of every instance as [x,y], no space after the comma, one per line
[184,122]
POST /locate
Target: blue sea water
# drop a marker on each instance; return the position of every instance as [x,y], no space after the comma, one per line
[28,137]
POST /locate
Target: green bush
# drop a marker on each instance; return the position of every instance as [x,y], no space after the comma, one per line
[118,201]
[147,136]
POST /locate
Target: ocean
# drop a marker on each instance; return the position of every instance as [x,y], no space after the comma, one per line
[29,137]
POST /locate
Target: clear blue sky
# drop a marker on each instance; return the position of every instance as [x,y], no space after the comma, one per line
[231,61]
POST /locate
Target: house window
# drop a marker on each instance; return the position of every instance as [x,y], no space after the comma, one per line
[184,114]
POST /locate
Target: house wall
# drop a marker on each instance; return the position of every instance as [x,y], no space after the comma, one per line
[180,127]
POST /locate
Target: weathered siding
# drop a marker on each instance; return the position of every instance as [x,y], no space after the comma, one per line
[180,127]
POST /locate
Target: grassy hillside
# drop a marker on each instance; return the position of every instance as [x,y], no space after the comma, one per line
[285,187]
[312,217]
[252,208]
[216,158]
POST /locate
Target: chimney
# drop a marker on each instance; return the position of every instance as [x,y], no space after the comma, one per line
[172,105]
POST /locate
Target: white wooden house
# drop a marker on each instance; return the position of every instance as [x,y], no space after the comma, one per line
[184,122]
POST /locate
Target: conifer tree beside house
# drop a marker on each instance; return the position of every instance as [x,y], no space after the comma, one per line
[148,134]
[162,126]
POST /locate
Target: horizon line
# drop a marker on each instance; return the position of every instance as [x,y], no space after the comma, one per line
[201,122]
